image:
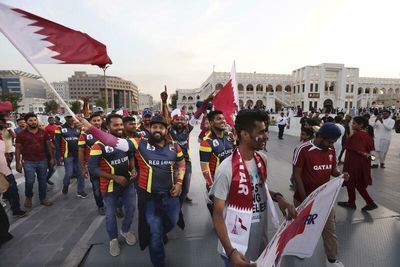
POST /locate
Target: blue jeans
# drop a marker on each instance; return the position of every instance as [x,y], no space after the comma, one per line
[186,181]
[158,226]
[96,190]
[12,194]
[40,169]
[128,196]
[226,261]
[72,167]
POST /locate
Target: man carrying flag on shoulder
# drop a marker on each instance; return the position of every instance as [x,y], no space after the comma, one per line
[240,194]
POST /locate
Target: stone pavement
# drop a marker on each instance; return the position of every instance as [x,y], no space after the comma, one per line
[70,233]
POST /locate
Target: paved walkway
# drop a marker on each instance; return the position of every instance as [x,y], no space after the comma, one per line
[70,233]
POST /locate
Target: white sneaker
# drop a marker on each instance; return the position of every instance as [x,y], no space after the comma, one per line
[130,238]
[114,247]
[337,263]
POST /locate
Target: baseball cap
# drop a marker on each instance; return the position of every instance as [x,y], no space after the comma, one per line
[98,109]
[158,119]
[147,112]
[329,130]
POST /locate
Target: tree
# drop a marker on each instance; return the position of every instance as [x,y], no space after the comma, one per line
[50,106]
[174,100]
[100,103]
[75,106]
[13,98]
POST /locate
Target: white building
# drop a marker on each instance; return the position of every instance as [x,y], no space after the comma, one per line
[324,86]
[145,101]
[62,88]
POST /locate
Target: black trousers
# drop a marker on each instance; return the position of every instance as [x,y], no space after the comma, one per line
[281,130]
[4,226]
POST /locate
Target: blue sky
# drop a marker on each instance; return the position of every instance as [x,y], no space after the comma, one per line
[177,43]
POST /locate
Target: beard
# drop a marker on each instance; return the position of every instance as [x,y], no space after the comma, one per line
[117,134]
[156,137]
[33,126]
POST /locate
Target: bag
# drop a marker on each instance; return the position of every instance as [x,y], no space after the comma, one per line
[4,184]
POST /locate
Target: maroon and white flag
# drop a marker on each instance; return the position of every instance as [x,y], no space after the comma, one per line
[42,41]
[227,99]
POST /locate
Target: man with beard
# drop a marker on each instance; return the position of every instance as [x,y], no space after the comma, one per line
[85,143]
[113,167]
[216,146]
[130,127]
[240,184]
[158,185]
[144,128]
[34,145]
[66,138]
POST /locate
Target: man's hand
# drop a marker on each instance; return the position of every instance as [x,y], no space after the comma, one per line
[82,123]
[120,180]
[239,260]
[85,172]
[176,190]
[164,96]
[286,206]
[18,167]
[346,176]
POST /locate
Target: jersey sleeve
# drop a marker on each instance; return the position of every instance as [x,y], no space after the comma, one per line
[299,157]
[205,151]
[179,153]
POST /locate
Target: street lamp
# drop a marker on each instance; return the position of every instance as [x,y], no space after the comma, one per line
[105,85]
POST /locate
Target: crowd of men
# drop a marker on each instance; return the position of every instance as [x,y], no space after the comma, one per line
[146,164]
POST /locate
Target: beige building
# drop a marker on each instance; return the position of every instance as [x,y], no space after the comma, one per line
[145,101]
[120,92]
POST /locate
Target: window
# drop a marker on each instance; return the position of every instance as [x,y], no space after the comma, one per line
[347,88]
[311,87]
[303,87]
[352,88]
[316,87]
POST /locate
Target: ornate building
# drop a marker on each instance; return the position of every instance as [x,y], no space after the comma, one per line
[324,86]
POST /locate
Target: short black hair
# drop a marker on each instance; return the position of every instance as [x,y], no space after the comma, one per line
[361,120]
[57,118]
[128,119]
[20,119]
[113,116]
[329,119]
[29,115]
[309,131]
[338,119]
[212,114]
[51,117]
[95,114]
[246,118]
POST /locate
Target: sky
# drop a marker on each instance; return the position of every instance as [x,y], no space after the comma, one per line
[178,43]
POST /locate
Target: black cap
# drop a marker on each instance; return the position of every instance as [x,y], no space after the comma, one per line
[158,119]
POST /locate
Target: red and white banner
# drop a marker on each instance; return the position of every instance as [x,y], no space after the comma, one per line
[227,99]
[45,42]
[299,237]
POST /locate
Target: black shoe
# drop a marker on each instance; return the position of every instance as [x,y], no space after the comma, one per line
[119,212]
[383,165]
[347,205]
[50,182]
[374,166]
[65,189]
[188,199]
[101,211]
[371,206]
[20,214]
[82,195]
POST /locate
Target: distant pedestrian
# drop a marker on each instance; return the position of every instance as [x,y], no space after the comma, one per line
[383,135]
[282,122]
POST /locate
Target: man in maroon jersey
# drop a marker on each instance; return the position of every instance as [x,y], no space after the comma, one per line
[314,163]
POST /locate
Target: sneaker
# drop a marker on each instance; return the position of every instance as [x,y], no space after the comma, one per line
[114,247]
[119,212]
[65,189]
[101,211]
[130,238]
[374,166]
[28,203]
[371,206]
[383,165]
[46,202]
[347,205]
[336,263]
[50,182]
[188,199]
[20,214]
[82,195]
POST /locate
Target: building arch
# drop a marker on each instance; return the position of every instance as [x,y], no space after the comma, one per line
[288,88]
[367,90]
[240,87]
[259,104]
[328,105]
[390,91]
[184,98]
[241,103]
[218,86]
[278,88]
[360,90]
[190,108]
[249,88]
[249,104]
[397,91]
[375,91]
[269,88]
[259,88]
[190,98]
[382,91]
[198,97]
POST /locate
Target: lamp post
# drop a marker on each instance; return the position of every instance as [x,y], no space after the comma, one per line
[105,86]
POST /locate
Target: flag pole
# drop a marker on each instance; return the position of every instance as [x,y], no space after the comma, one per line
[41,76]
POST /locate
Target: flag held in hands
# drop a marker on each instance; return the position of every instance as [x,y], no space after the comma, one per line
[45,42]
[227,99]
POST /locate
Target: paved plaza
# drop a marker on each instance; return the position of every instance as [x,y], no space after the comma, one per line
[70,233]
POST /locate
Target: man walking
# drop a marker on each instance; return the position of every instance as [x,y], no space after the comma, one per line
[281,121]
[34,145]
[67,147]
[383,135]
[51,129]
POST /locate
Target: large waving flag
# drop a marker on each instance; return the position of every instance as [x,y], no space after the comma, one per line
[300,236]
[45,42]
[227,99]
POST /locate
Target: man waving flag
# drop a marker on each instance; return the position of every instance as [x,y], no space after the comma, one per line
[227,99]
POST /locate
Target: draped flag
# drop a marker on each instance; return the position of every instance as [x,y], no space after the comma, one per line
[45,42]
[300,236]
[227,99]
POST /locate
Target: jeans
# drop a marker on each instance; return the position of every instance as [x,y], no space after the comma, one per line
[128,196]
[50,171]
[96,191]
[226,261]
[72,167]
[40,169]
[186,181]
[159,225]
[12,194]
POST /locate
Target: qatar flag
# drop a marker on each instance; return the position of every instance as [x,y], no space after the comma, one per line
[45,42]
[227,99]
